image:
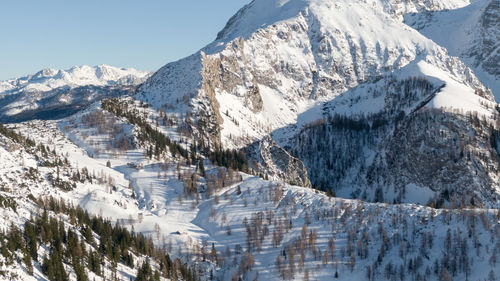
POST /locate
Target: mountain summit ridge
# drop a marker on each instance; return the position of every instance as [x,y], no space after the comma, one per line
[261,13]
[48,79]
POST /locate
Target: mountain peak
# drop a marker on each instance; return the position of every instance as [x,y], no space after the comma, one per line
[260,13]
[46,72]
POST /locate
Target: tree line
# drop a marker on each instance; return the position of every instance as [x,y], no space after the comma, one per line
[156,142]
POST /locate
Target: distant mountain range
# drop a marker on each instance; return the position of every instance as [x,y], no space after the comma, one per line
[56,93]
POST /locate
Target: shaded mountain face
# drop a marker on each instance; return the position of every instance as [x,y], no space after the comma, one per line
[58,93]
[279,66]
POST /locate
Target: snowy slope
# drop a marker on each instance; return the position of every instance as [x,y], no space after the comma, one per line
[455,95]
[25,177]
[313,236]
[471,33]
[260,14]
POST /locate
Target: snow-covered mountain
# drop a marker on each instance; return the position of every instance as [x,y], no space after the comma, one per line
[77,76]
[313,139]
[50,92]
[279,66]
[297,54]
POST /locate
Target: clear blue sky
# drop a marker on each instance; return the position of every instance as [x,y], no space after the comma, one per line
[145,34]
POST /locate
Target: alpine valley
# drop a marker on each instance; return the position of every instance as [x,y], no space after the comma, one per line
[312,140]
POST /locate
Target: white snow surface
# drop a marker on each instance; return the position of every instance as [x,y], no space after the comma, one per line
[455,95]
[97,198]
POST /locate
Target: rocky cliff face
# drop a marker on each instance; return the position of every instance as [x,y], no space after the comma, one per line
[489,45]
[272,161]
[453,157]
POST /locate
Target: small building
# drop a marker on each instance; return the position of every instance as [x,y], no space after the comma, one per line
[137,166]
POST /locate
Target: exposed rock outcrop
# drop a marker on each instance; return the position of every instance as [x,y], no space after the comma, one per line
[270,159]
[489,46]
